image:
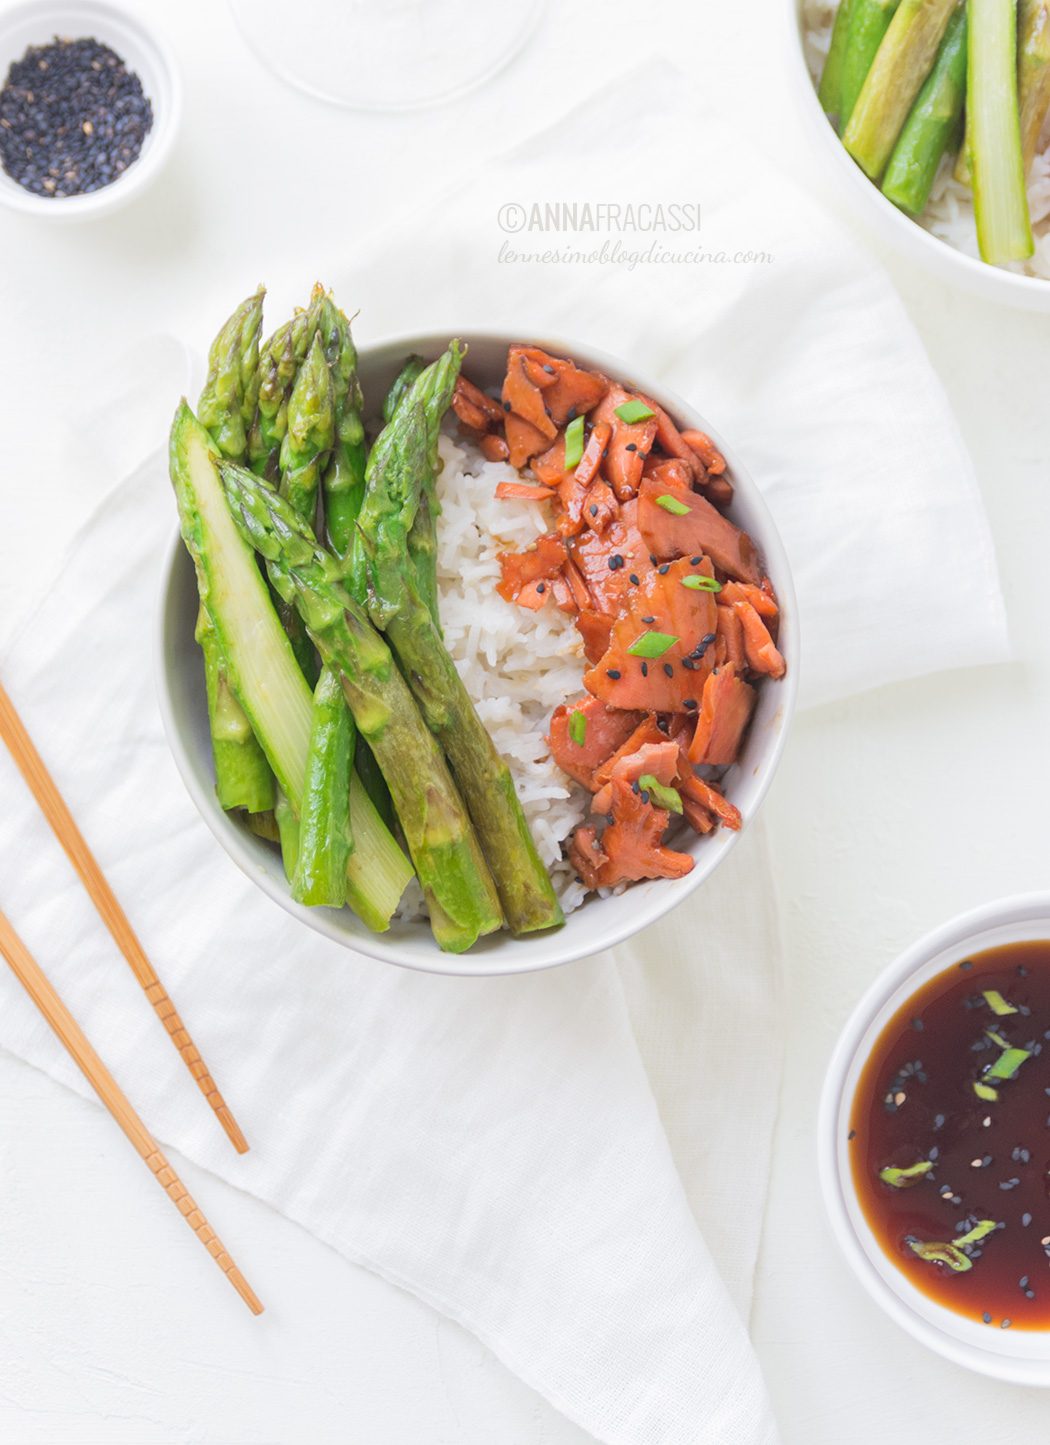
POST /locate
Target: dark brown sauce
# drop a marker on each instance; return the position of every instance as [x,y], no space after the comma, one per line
[915,1103]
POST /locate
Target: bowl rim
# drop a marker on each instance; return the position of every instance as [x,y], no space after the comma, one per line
[167,108]
[940,1329]
[507,960]
[906,234]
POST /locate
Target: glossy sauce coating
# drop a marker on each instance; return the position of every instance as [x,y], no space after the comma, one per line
[915,1104]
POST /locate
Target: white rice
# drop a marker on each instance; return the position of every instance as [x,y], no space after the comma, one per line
[949,212]
[517,665]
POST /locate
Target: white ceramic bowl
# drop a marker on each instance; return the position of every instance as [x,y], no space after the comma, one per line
[898,229]
[599,923]
[1021,1356]
[143,51]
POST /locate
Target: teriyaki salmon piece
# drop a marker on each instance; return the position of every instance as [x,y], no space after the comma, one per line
[657,656]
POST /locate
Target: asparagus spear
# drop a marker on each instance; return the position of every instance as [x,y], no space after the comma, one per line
[261,665]
[242,776]
[344,478]
[933,122]
[430,391]
[1034,73]
[395,489]
[279,360]
[830,88]
[310,432]
[287,823]
[404,379]
[868,22]
[325,841]
[900,67]
[459,889]
[1004,229]
[344,490]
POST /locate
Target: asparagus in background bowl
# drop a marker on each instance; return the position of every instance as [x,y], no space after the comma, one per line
[940,110]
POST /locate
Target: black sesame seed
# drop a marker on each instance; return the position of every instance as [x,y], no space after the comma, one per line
[645,669]
[611,672]
[633,577]
[644,796]
[548,368]
[708,638]
[688,664]
[1022,1283]
[987,1318]
[594,510]
[541,586]
[690,704]
[631,447]
[506,406]
[663,571]
[934,1154]
[652,559]
[1029,1294]
[1022,971]
[669,669]
[1009,1183]
[695,561]
[852,1134]
[663,724]
[938,1122]
[918,1025]
[1026,1219]
[570,415]
[966,964]
[648,619]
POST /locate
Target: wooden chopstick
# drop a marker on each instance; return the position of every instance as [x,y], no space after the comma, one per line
[52,805]
[36,983]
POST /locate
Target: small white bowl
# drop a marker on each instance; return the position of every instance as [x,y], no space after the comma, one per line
[899,230]
[1020,1356]
[142,50]
[601,922]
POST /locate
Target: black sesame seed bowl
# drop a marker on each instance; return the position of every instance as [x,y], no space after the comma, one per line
[90,101]
[1005,1337]
[600,923]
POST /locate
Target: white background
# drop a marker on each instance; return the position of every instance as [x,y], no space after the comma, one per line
[890,812]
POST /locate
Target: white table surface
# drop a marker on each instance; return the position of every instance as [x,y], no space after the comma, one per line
[890,812]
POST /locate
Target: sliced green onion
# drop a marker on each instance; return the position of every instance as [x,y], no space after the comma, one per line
[1007,1064]
[986,1092]
[700,582]
[996,1038]
[651,644]
[998,1005]
[578,727]
[634,410]
[672,505]
[902,1178]
[574,443]
[952,1254]
[667,797]
[980,1231]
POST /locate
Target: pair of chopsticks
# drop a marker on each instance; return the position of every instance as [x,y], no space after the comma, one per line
[40,990]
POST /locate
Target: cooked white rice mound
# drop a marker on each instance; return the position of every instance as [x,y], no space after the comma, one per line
[949,213]
[517,665]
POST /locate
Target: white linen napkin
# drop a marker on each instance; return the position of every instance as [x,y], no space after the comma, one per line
[572,1164]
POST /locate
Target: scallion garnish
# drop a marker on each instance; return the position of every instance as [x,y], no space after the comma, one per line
[672,505]
[634,410]
[574,443]
[938,1252]
[1007,1064]
[667,797]
[700,582]
[986,1092]
[651,644]
[903,1178]
[998,1005]
[578,727]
